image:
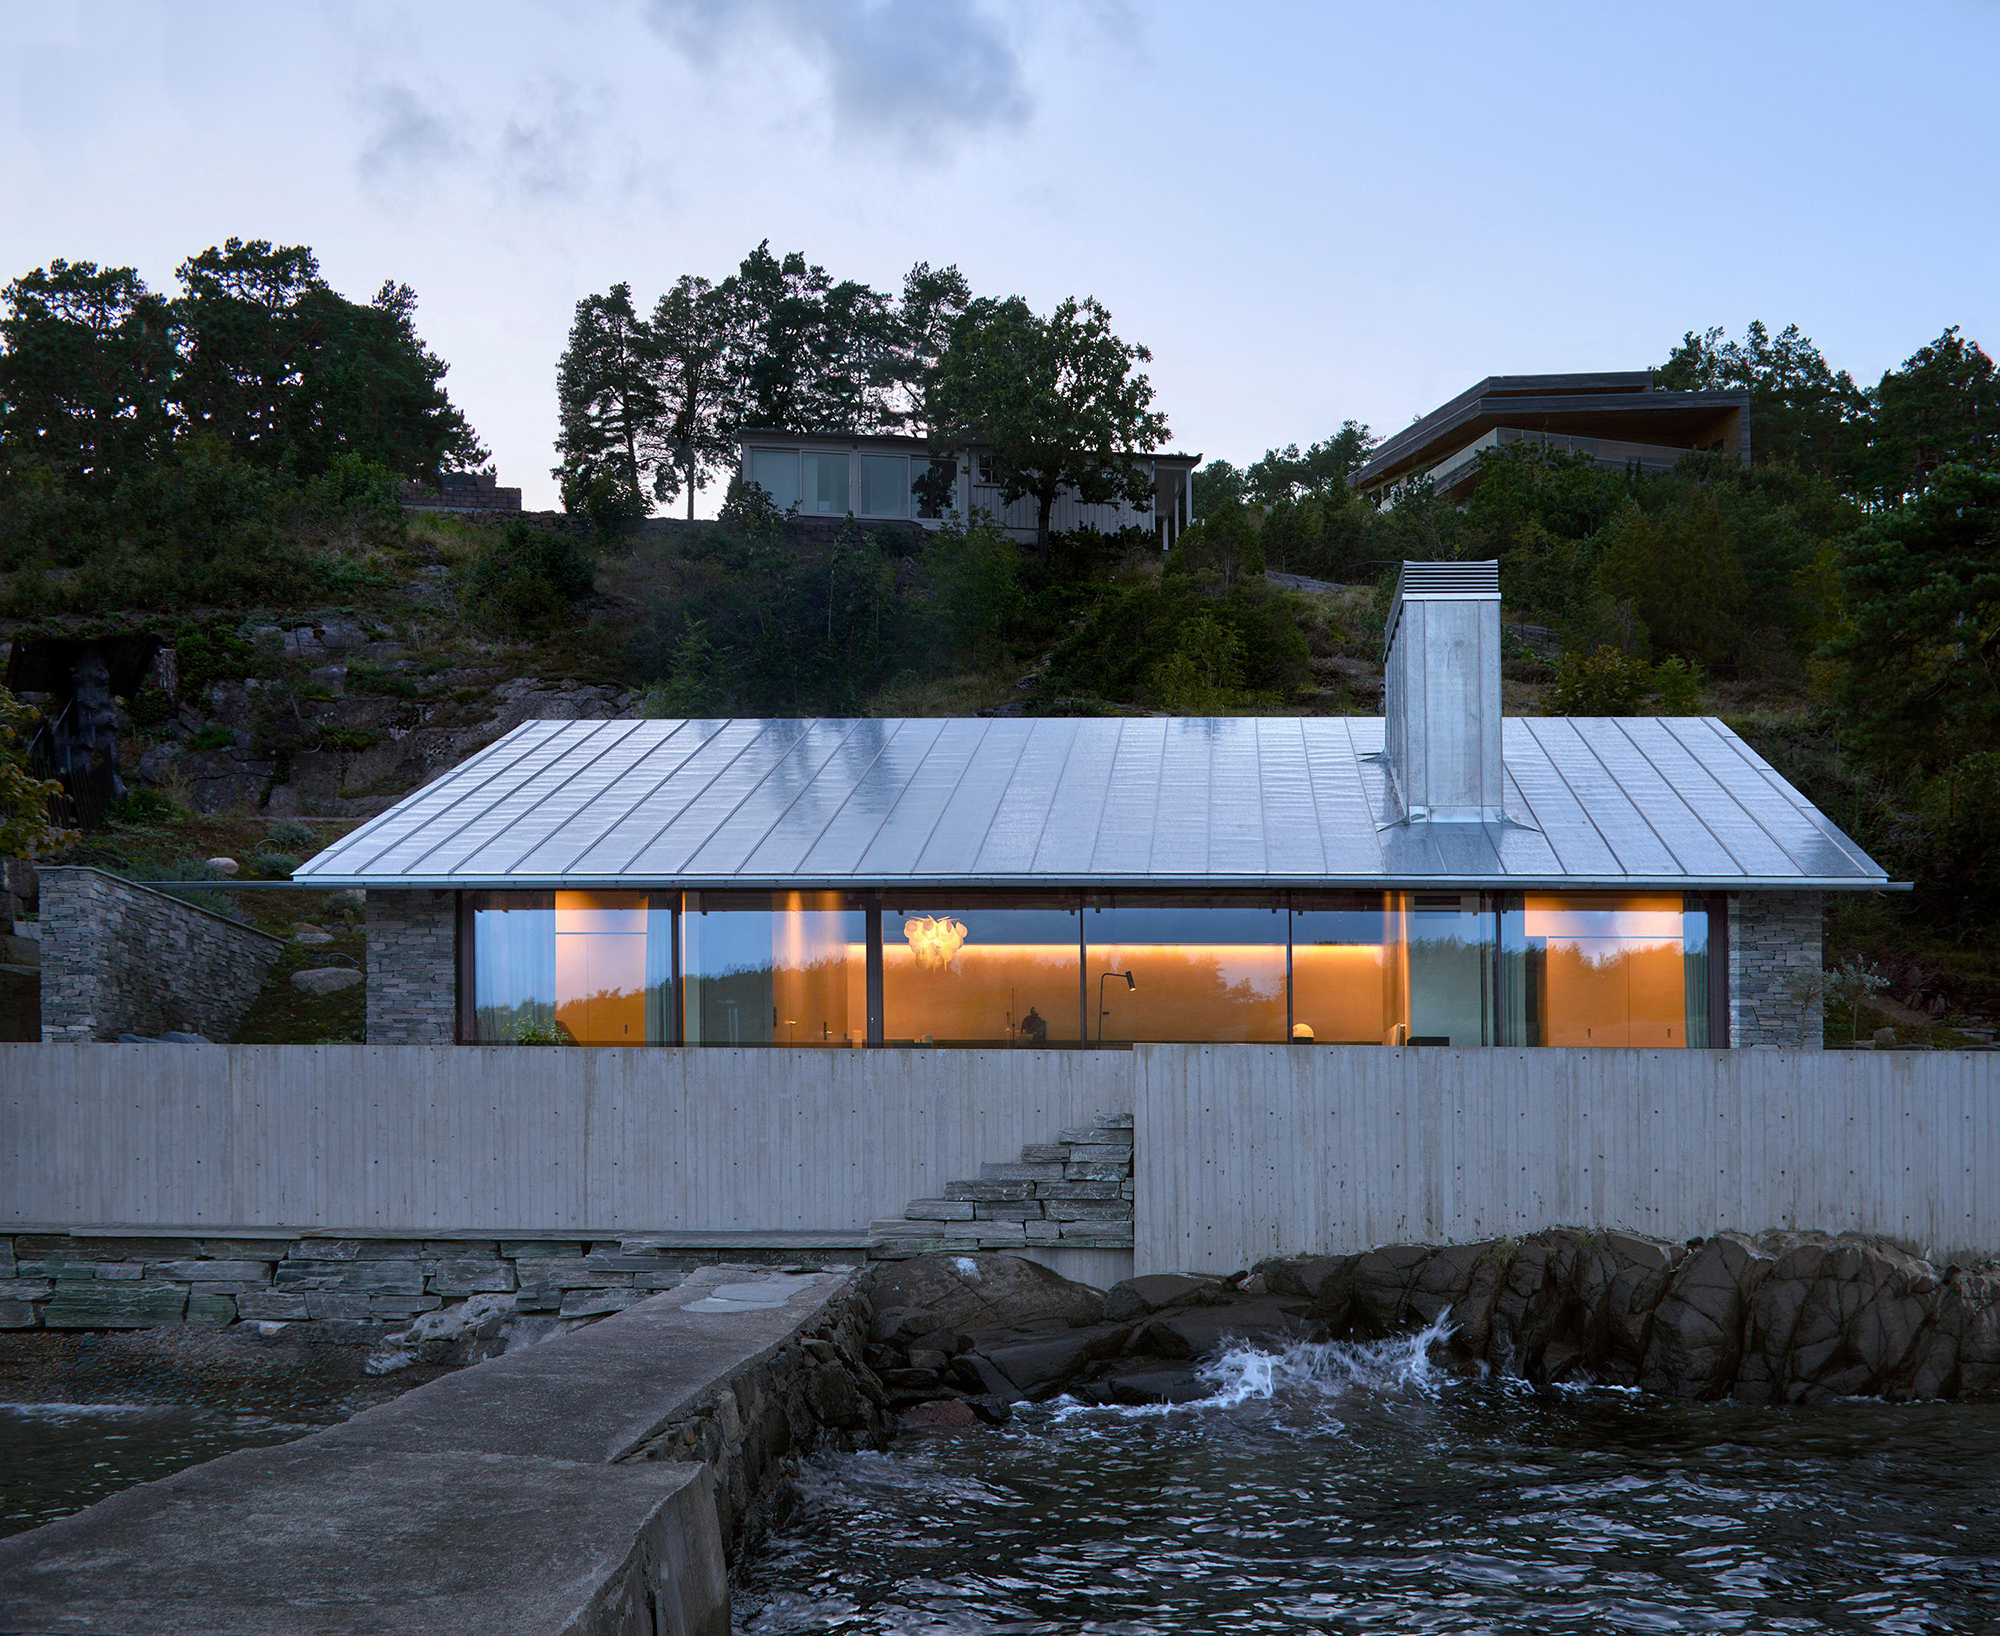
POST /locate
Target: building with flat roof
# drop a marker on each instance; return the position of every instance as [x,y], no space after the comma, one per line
[873,477]
[1621,420]
[1437,876]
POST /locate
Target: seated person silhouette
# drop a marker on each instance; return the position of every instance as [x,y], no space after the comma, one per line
[1035,1027]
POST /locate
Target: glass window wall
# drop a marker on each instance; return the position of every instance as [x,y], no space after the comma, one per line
[981,971]
[1602,970]
[774,968]
[825,484]
[884,482]
[572,968]
[776,472]
[827,969]
[1190,969]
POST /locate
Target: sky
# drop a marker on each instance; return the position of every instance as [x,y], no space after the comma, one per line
[1309,212]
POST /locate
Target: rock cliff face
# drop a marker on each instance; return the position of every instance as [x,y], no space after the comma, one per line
[1776,1318]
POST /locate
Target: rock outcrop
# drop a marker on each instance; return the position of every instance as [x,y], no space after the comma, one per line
[1775,1318]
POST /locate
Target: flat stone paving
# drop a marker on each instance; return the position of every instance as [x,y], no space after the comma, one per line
[485,1501]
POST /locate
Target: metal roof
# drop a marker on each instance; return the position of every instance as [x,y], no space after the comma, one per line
[1150,801]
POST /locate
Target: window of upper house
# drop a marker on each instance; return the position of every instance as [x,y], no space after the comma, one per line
[943,476]
[776,472]
[825,484]
[884,482]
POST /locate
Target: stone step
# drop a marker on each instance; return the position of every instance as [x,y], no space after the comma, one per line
[989,1192]
[938,1210]
[1045,1172]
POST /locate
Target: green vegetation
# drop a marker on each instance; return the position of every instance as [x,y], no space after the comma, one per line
[219,465]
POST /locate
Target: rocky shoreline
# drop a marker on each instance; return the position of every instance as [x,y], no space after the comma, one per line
[1773,1318]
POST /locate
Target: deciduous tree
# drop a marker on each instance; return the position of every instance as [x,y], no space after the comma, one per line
[1060,401]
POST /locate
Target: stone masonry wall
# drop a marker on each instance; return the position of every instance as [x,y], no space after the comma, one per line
[124,959]
[96,1281]
[412,968]
[1774,948]
[1075,1193]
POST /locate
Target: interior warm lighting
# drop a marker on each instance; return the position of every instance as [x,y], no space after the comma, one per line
[934,939]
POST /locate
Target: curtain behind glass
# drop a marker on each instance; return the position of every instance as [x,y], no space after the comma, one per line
[1696,955]
[514,968]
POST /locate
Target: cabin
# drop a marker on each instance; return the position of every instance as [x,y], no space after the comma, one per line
[1622,421]
[1437,876]
[874,477]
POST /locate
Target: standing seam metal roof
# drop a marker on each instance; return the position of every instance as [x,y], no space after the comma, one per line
[1182,801]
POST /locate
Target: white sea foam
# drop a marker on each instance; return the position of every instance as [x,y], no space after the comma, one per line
[1243,1373]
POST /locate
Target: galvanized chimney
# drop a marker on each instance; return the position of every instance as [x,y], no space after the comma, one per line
[1441,694]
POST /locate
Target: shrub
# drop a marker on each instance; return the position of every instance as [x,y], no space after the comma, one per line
[140,805]
[1604,683]
[149,707]
[212,737]
[1678,686]
[530,578]
[268,863]
[288,835]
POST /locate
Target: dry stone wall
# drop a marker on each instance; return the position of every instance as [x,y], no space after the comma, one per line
[123,959]
[412,968]
[87,1281]
[1774,961]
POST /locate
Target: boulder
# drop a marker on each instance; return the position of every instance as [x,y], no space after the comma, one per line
[322,980]
[1039,1365]
[930,1293]
[1833,1319]
[1199,1332]
[1152,1384]
[1156,1292]
[1695,1343]
[942,1413]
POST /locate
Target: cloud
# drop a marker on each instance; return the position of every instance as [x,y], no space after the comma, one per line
[923,71]
[545,154]
[406,139]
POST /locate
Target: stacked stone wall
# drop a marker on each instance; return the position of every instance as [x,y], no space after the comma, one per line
[1075,1193]
[412,967]
[117,958]
[1775,993]
[90,1281]
[752,1427]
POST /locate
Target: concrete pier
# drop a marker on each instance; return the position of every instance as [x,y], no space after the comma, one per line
[510,1497]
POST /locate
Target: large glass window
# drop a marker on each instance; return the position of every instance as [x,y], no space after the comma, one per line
[1344,981]
[776,472]
[885,485]
[825,484]
[1443,970]
[973,971]
[572,968]
[774,968]
[1392,969]
[1157,969]
[1604,970]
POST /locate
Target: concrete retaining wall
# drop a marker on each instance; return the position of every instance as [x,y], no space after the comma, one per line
[1249,1151]
[364,1138]
[123,959]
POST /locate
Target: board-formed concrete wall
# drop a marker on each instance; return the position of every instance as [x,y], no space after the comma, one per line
[118,958]
[456,1138]
[1248,1151]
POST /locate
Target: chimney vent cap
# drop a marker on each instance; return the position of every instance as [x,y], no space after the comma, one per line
[1459,581]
